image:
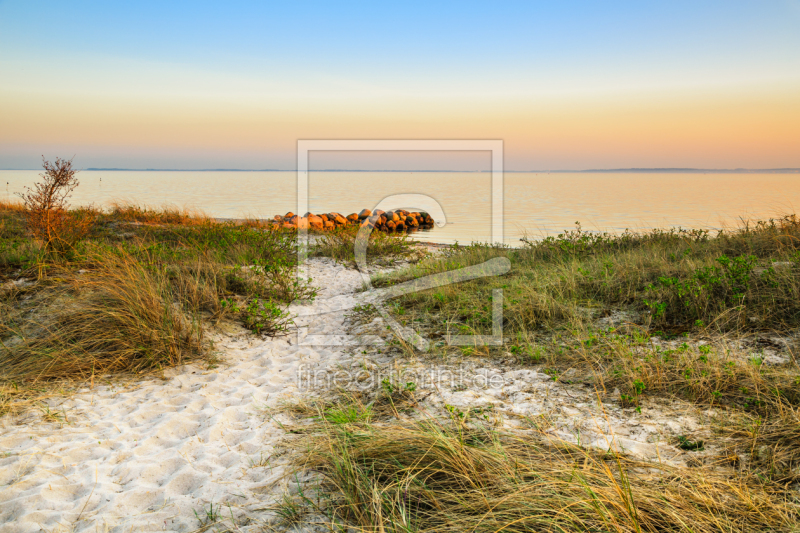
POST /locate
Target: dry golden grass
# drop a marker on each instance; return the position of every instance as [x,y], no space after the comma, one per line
[166,214]
[447,475]
[13,206]
[769,444]
[121,318]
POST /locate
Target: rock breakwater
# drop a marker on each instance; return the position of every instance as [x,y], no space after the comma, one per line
[386,221]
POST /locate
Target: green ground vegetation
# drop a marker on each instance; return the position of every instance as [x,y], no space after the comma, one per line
[136,292]
[673,314]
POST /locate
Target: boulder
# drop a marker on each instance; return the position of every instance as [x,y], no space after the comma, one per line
[428,220]
[316,222]
[329,224]
[288,215]
[352,217]
[339,219]
[390,225]
[364,214]
[324,217]
[411,222]
[399,226]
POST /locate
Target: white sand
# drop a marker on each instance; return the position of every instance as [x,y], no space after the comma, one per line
[148,457]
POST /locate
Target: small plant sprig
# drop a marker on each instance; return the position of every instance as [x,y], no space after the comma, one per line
[690,445]
[266,317]
[209,516]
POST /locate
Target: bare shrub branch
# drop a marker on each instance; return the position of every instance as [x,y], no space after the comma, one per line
[46,205]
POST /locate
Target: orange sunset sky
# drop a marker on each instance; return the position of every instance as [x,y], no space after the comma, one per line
[570,85]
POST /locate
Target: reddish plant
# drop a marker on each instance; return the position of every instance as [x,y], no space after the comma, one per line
[46,206]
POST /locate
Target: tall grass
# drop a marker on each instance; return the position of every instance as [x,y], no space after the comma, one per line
[136,294]
[434,475]
[769,444]
[746,278]
[15,246]
[166,214]
[121,318]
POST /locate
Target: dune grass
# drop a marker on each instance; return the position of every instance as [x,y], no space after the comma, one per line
[167,214]
[440,474]
[678,280]
[136,294]
[121,317]
[674,314]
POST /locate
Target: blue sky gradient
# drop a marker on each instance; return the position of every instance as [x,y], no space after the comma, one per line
[122,73]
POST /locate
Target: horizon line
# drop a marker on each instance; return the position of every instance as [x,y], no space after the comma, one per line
[532,171]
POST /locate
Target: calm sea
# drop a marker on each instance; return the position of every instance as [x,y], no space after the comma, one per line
[535,204]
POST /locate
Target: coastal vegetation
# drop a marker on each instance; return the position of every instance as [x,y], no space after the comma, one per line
[705,319]
[439,474]
[384,248]
[138,292]
[678,280]
[87,292]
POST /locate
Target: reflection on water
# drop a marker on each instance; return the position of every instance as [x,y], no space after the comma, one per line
[538,204]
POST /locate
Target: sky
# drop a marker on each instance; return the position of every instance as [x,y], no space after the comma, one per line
[565,84]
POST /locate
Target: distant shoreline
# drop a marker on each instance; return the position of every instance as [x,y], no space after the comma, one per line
[588,171]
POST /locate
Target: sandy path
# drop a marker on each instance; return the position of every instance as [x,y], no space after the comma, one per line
[147,457]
